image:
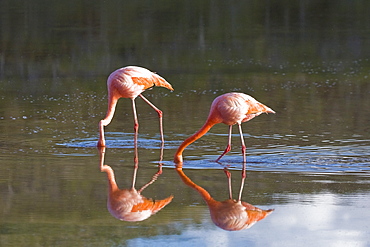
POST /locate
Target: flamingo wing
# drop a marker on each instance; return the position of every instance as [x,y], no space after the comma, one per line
[154,80]
[152,205]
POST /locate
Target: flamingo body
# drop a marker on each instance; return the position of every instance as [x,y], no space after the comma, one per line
[236,108]
[129,204]
[230,214]
[230,109]
[130,82]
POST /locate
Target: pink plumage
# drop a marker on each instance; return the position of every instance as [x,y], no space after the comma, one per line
[230,109]
[130,82]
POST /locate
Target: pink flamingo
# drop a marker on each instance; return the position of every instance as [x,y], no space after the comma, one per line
[230,214]
[230,109]
[130,82]
[129,204]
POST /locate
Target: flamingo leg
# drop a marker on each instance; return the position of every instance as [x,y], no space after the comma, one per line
[243,144]
[242,182]
[160,115]
[136,122]
[228,147]
[155,176]
[153,179]
[228,175]
[136,154]
[136,162]
[244,174]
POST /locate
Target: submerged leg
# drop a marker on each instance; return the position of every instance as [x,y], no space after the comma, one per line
[228,147]
[160,115]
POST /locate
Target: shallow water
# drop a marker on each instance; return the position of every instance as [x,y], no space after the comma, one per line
[310,161]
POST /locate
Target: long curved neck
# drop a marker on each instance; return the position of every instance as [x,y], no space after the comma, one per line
[206,127]
[111,178]
[205,195]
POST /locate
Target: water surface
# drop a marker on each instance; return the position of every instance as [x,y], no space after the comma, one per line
[310,161]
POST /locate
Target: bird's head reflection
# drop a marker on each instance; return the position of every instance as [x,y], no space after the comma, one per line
[231,214]
[129,204]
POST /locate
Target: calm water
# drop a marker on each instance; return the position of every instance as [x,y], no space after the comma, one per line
[310,161]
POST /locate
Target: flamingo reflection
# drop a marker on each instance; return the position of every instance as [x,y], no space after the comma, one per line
[231,214]
[130,204]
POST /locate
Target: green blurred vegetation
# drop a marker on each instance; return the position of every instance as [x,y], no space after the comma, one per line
[89,39]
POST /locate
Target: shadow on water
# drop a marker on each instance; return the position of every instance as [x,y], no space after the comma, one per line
[129,204]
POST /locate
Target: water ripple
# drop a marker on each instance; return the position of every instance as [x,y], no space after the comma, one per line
[121,140]
[312,159]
